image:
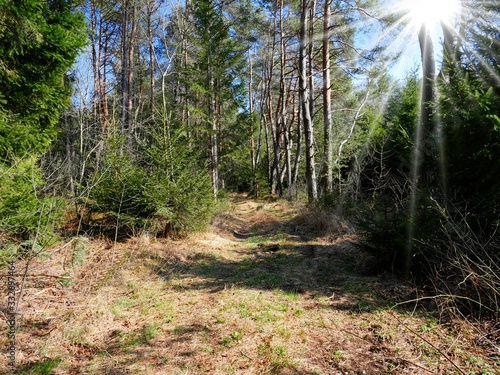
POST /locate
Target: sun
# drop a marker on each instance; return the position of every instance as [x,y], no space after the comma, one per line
[431,12]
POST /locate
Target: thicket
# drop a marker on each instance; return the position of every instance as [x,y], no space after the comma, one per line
[158,188]
[445,229]
[39,41]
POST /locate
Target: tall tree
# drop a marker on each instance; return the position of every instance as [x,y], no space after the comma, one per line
[469,107]
[327,171]
[219,62]
[312,191]
[39,41]
[426,128]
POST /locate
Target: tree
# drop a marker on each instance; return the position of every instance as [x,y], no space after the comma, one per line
[425,130]
[312,191]
[39,41]
[469,106]
[219,60]
[327,171]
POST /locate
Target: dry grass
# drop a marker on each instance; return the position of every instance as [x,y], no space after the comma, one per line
[221,302]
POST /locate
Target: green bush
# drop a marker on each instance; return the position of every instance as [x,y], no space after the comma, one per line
[395,234]
[159,184]
[25,212]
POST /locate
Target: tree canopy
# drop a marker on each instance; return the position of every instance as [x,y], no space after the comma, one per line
[39,41]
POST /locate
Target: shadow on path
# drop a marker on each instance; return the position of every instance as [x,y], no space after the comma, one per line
[276,253]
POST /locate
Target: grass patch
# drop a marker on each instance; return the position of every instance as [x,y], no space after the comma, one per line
[150,331]
[232,340]
[45,367]
[123,307]
[276,356]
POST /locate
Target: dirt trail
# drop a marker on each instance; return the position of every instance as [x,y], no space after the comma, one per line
[270,289]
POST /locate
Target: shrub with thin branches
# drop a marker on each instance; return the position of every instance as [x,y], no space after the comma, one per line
[465,265]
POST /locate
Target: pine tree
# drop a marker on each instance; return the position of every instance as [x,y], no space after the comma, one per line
[39,41]
[215,76]
[469,112]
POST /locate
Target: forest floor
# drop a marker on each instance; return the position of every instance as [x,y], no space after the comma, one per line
[270,288]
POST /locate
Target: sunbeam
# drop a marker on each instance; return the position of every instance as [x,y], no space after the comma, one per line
[431,12]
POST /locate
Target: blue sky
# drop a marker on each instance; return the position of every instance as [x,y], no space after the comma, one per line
[402,40]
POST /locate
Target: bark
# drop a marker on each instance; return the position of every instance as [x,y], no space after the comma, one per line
[130,70]
[125,62]
[250,105]
[274,167]
[312,191]
[426,128]
[327,173]
[429,75]
[281,107]
[214,163]
[150,9]
[295,171]
[421,176]
[99,42]
[310,60]
[186,112]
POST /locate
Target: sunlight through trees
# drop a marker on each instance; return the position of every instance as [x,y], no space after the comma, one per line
[176,104]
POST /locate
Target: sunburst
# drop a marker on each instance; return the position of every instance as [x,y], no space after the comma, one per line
[431,12]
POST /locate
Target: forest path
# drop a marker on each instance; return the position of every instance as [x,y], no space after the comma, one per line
[270,288]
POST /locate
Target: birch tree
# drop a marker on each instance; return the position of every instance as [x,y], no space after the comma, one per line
[304,98]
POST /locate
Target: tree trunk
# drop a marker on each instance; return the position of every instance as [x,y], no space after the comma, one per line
[255,184]
[274,167]
[214,163]
[327,172]
[312,191]
[130,70]
[125,63]
[310,59]
[99,42]
[426,128]
[422,176]
[150,8]
[296,164]
[281,108]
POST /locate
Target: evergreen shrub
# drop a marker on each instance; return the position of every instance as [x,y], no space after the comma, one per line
[25,211]
[159,184]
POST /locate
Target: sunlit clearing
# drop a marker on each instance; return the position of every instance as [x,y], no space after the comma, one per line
[431,12]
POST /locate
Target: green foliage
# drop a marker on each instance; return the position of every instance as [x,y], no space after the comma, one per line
[163,185]
[119,187]
[80,249]
[149,331]
[400,121]
[235,163]
[39,41]
[392,232]
[469,112]
[469,108]
[24,210]
[45,367]
[452,228]
[179,186]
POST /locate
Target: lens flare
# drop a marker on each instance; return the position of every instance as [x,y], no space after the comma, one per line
[431,12]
